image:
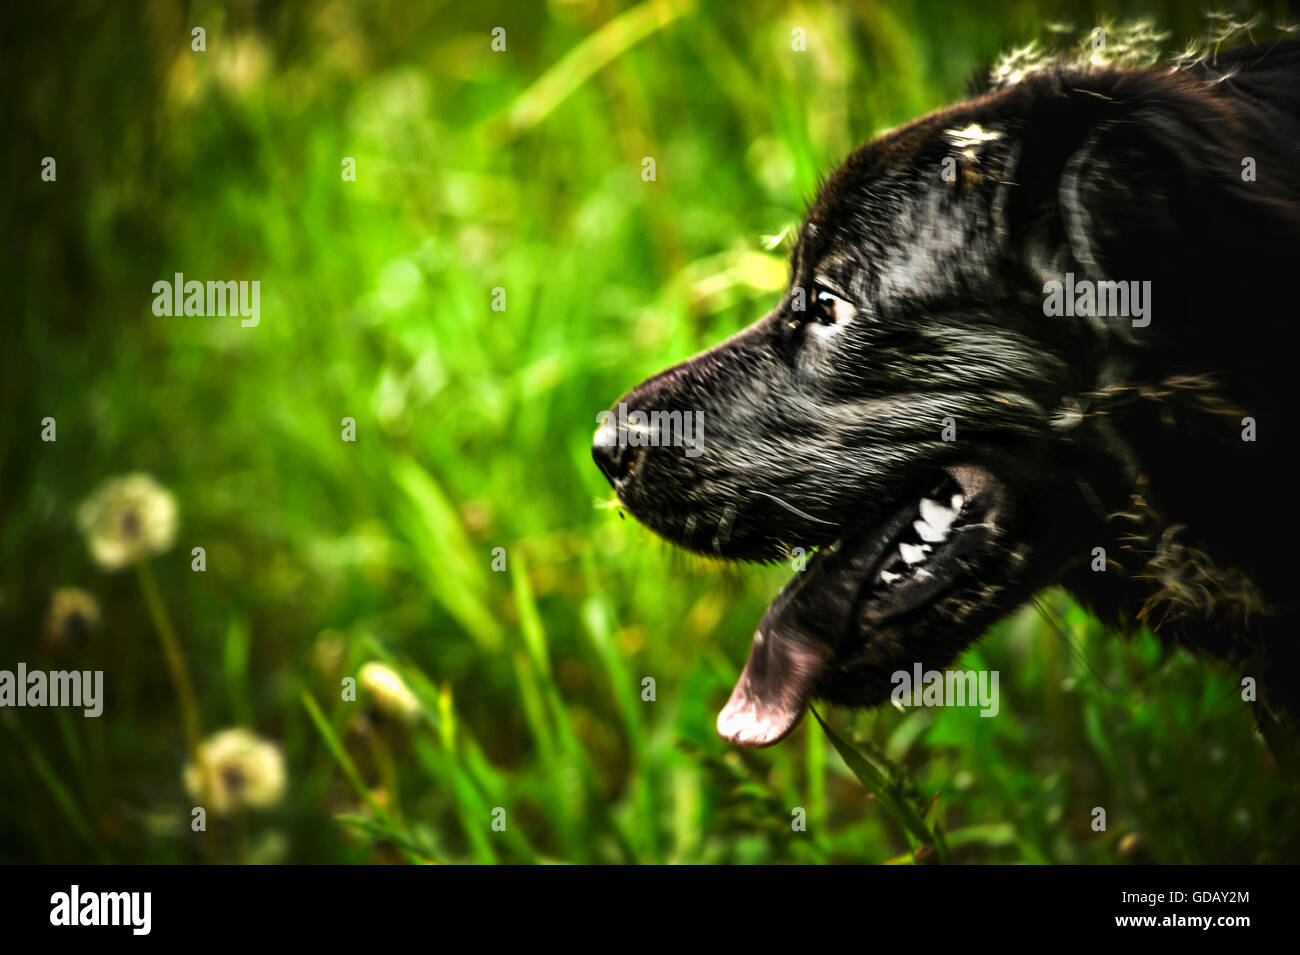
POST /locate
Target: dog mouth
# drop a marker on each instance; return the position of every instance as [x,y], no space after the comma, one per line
[870,577]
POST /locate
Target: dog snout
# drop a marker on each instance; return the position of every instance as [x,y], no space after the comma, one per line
[612,453]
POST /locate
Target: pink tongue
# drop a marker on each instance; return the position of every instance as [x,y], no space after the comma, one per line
[791,649]
[797,638]
[774,689]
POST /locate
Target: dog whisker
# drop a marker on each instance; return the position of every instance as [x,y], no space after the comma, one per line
[794,510]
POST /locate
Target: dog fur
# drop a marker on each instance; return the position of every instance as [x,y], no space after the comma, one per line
[916,302]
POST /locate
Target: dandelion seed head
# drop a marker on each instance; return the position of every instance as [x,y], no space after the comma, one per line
[72,617]
[128,519]
[236,770]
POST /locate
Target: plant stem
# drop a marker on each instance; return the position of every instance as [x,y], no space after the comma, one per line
[180,675]
[175,661]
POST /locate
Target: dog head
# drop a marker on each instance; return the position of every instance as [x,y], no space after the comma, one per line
[932,410]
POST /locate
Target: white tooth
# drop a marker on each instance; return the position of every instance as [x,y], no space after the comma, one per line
[936,515]
[912,553]
[888,576]
[928,533]
[957,502]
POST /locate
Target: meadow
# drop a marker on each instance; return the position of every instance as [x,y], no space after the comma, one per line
[490,272]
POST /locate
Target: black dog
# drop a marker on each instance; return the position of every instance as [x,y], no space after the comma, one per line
[1044,336]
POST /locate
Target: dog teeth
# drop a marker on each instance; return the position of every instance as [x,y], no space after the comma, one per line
[932,528]
[913,553]
[931,535]
[937,517]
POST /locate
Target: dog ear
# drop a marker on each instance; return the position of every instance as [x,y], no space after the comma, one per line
[1144,177]
[1118,195]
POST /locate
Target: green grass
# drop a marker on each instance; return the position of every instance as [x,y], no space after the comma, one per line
[477,170]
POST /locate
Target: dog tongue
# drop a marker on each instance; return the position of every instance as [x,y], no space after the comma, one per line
[768,701]
[791,650]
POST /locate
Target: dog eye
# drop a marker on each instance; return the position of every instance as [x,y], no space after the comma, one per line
[825,309]
[829,308]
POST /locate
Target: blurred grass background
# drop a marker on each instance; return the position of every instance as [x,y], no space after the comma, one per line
[475,170]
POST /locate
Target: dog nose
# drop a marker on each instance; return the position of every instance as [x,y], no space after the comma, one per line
[614,458]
